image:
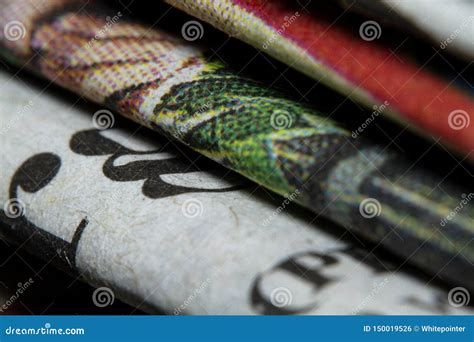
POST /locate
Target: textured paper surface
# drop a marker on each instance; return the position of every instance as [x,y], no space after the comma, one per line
[205,250]
[354,58]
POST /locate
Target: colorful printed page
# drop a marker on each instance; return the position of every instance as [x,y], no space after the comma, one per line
[167,84]
[351,56]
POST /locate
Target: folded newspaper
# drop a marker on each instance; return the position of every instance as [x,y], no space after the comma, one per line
[167,230]
[359,58]
[172,86]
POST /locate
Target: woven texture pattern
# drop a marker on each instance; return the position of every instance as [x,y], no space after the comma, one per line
[324,46]
[167,85]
